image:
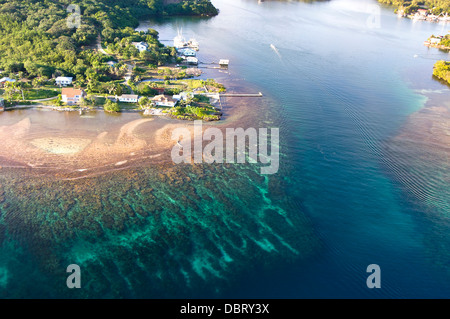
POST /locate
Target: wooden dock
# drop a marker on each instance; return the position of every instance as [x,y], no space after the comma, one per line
[242,94]
[219,95]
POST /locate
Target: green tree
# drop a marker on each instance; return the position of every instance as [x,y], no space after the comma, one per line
[111,106]
[144,102]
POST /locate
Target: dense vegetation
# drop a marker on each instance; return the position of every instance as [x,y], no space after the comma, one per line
[436,6]
[197,108]
[442,70]
[36,42]
[445,40]
[111,106]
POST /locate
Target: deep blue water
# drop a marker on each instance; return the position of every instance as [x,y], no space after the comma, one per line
[341,90]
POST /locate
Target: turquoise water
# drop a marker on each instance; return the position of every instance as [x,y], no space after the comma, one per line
[348,193]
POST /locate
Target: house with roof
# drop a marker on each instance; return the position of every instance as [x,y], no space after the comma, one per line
[164,100]
[191,60]
[187,52]
[72,96]
[141,46]
[160,90]
[5,80]
[63,80]
[184,96]
[224,63]
[422,12]
[128,98]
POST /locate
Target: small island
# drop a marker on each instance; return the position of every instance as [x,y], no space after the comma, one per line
[439,41]
[99,61]
[441,70]
[430,10]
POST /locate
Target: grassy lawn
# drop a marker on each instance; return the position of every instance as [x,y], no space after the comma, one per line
[128,106]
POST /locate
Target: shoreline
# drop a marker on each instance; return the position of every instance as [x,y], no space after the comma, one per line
[66,154]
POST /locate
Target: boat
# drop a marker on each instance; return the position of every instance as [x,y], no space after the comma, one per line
[194,44]
[179,42]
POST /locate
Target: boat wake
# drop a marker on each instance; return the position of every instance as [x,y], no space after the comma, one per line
[274,48]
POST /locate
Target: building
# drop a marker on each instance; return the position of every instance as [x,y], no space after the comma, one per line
[72,96]
[183,96]
[435,40]
[63,81]
[187,52]
[422,12]
[128,98]
[5,80]
[141,46]
[160,90]
[224,63]
[164,100]
[191,60]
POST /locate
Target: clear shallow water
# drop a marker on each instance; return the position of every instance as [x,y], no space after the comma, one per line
[340,93]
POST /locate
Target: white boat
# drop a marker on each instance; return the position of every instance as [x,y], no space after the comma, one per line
[194,44]
[179,41]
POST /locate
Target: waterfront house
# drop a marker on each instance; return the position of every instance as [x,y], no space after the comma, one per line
[183,96]
[435,40]
[63,80]
[72,96]
[128,98]
[164,100]
[191,60]
[141,46]
[422,12]
[224,63]
[5,80]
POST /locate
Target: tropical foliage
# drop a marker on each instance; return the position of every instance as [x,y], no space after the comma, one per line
[437,6]
[36,39]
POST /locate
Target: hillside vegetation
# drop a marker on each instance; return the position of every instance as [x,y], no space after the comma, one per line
[36,41]
[442,70]
[437,6]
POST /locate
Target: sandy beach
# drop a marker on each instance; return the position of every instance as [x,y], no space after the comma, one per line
[86,152]
[27,147]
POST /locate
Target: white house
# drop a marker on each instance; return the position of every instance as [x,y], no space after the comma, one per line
[141,46]
[224,62]
[187,52]
[63,81]
[183,96]
[164,100]
[192,60]
[128,98]
[72,96]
